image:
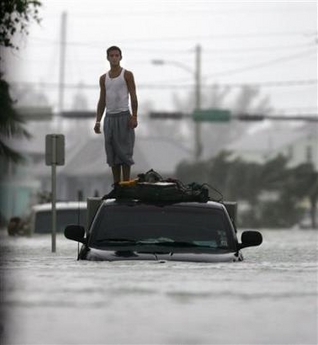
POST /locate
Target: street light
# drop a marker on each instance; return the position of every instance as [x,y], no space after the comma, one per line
[197,81]
[160,62]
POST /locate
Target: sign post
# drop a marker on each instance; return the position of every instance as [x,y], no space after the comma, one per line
[54,155]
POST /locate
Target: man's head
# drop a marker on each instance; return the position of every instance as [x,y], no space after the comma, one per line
[113,50]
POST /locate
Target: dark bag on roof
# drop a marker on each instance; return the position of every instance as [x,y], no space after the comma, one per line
[151,187]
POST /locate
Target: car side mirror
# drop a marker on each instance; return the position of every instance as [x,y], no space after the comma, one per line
[75,233]
[251,239]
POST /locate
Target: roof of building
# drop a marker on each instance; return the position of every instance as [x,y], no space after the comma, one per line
[85,152]
[89,158]
[272,139]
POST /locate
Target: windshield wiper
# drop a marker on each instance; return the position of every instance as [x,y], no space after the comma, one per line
[117,241]
[190,244]
[165,242]
[172,243]
[158,240]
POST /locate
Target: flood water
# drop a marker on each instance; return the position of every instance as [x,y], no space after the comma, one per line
[269,298]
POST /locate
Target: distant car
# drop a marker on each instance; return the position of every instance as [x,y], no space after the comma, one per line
[135,230]
[67,212]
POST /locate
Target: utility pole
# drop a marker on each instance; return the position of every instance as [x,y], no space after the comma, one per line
[198,144]
[62,62]
[196,73]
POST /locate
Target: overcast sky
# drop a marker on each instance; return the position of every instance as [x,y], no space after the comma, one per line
[272,44]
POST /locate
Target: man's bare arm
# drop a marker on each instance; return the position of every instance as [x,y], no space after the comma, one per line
[101,104]
[132,92]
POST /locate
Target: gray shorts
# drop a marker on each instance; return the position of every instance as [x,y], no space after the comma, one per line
[119,139]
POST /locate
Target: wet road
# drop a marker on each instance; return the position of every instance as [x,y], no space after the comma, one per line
[270,298]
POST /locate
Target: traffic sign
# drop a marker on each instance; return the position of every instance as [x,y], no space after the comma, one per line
[211,115]
[54,149]
[54,155]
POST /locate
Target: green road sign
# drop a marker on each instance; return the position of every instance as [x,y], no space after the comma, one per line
[212,115]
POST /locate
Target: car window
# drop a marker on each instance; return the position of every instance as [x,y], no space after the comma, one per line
[43,219]
[150,224]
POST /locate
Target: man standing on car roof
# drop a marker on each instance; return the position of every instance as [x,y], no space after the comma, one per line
[119,123]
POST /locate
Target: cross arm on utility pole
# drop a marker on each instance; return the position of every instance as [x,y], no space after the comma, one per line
[225,115]
[261,117]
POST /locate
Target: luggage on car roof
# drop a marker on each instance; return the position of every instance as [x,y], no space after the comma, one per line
[151,187]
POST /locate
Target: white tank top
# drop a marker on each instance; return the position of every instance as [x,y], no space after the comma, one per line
[117,97]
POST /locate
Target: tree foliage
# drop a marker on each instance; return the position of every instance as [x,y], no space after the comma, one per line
[273,192]
[10,124]
[15,16]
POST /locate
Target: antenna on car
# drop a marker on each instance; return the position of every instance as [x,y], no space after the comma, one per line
[79,199]
[218,192]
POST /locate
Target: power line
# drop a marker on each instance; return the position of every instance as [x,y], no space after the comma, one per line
[263,64]
[271,83]
[184,11]
[269,49]
[288,83]
[240,50]
[210,36]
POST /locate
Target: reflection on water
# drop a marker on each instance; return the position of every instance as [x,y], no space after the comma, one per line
[270,298]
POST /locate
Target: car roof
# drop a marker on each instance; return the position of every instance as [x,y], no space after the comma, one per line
[61,205]
[209,204]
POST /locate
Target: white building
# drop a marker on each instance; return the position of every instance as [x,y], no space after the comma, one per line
[85,172]
[298,143]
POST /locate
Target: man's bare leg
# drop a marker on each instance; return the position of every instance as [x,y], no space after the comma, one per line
[126,172]
[116,169]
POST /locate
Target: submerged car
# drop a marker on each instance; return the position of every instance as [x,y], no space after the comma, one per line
[183,231]
[39,221]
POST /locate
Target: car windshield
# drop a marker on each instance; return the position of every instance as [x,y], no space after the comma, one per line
[168,226]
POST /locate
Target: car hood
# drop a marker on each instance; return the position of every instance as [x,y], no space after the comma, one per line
[112,255]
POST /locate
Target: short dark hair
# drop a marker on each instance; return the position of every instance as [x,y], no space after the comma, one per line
[113,48]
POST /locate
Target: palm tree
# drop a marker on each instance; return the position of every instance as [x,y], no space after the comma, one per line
[11,125]
[15,16]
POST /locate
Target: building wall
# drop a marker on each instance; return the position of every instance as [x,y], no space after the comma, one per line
[17,197]
[304,150]
[300,147]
